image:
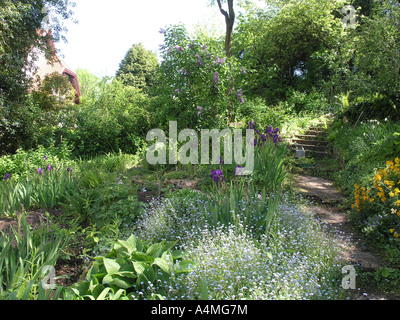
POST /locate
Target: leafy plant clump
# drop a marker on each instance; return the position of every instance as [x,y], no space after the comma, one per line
[133,269]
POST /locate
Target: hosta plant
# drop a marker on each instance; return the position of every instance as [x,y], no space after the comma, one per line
[133,269]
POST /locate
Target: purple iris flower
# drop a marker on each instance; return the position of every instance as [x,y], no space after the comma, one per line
[40,171]
[49,167]
[200,110]
[239,171]
[44,157]
[69,169]
[217,174]
[7,176]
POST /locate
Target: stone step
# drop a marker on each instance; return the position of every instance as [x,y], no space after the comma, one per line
[313,132]
[314,142]
[315,154]
[308,136]
[310,147]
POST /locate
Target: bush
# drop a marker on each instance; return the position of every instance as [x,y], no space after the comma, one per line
[199,85]
[378,107]
[362,149]
[114,118]
[24,162]
[377,206]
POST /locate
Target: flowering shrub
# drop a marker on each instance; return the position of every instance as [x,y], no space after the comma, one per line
[381,200]
[199,85]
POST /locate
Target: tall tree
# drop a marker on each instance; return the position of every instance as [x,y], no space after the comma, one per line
[20,21]
[229,21]
[138,68]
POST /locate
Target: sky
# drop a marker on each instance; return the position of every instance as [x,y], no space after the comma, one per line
[107,29]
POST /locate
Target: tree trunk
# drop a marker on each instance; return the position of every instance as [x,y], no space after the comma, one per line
[230,21]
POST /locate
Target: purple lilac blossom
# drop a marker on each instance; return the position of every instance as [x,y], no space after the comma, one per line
[216,78]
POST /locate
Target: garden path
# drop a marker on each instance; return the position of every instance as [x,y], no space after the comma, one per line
[327,203]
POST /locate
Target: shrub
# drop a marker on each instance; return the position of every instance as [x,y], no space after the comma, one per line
[199,85]
[378,107]
[377,207]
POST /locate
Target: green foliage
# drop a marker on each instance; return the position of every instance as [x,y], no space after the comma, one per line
[27,162]
[270,168]
[198,84]
[52,96]
[103,192]
[284,42]
[385,279]
[377,107]
[131,270]
[112,117]
[23,255]
[139,68]
[46,190]
[19,25]
[362,149]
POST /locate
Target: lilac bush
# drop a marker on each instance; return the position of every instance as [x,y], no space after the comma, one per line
[195,74]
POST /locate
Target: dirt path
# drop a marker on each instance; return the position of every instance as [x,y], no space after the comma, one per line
[326,203]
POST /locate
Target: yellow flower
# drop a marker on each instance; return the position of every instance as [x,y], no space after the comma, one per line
[391,230]
[396,235]
[398,203]
[378,177]
[391,194]
[390,163]
[397,160]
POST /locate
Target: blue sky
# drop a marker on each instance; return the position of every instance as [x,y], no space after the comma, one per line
[106,29]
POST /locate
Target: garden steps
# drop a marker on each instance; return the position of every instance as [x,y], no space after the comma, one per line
[312,142]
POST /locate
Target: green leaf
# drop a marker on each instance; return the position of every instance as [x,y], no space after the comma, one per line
[164,265]
[135,242]
[111,265]
[103,294]
[117,281]
[155,250]
[81,288]
[204,290]
[140,266]
[140,256]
